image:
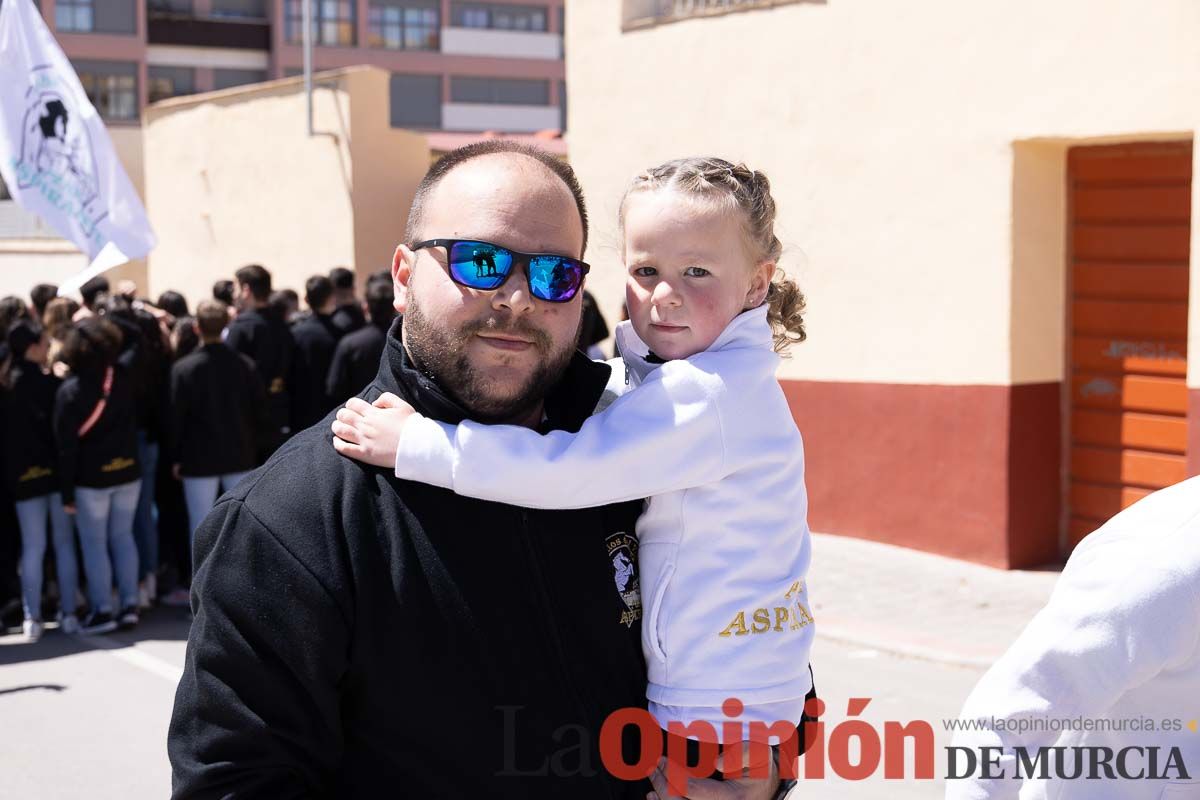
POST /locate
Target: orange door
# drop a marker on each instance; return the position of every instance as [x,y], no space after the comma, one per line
[1130,208]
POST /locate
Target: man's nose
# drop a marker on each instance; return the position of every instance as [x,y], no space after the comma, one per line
[514,294]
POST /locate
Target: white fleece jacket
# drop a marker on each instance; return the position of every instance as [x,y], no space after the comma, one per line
[1118,643]
[724,546]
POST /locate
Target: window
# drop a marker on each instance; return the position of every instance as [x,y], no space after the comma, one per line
[111,86]
[89,16]
[505,91]
[403,25]
[228,78]
[73,16]
[333,22]
[511,18]
[164,82]
[416,101]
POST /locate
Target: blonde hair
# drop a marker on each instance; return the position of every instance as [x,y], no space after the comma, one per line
[750,192]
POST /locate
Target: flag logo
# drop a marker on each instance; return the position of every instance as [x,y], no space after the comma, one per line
[56,157]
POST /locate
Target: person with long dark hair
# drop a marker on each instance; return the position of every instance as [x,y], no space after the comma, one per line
[31,472]
[95,424]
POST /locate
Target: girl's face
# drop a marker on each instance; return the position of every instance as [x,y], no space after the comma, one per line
[688,271]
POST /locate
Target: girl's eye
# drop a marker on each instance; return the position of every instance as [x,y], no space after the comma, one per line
[696,272]
[644,272]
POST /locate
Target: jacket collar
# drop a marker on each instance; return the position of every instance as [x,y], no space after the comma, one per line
[748,329]
[571,401]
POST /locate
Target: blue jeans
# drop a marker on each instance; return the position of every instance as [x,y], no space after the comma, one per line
[32,515]
[145,521]
[201,494]
[105,520]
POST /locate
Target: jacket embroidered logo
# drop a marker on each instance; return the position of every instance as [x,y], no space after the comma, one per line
[622,552]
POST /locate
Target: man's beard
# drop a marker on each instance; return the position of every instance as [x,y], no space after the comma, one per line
[442,355]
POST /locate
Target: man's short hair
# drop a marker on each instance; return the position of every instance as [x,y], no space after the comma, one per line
[223,290]
[383,276]
[379,302]
[211,318]
[93,289]
[42,294]
[342,278]
[317,291]
[441,167]
[257,278]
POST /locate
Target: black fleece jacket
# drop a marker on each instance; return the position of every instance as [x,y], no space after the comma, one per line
[30,457]
[357,636]
[107,455]
[218,419]
[315,338]
[262,335]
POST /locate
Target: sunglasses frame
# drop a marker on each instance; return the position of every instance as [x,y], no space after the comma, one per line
[518,258]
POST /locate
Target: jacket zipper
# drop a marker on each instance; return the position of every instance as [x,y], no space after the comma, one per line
[552,630]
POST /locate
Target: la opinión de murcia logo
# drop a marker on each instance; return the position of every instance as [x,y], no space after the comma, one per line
[56,158]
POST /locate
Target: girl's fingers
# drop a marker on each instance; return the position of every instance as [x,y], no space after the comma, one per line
[388,400]
[357,405]
[344,431]
[348,449]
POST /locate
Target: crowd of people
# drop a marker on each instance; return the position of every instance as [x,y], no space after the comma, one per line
[122,420]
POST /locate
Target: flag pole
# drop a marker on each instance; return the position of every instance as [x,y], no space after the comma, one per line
[308,44]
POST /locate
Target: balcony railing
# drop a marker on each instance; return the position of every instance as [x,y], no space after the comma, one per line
[640,13]
[165,27]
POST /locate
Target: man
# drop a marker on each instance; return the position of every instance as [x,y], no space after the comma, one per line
[349,314]
[1117,646]
[315,338]
[356,359]
[360,636]
[260,333]
[218,414]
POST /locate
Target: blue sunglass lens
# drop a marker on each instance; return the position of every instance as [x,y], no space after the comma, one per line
[554,279]
[480,265]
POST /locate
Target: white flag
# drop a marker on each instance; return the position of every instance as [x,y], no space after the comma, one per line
[55,155]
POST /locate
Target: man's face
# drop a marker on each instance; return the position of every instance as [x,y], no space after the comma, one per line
[496,352]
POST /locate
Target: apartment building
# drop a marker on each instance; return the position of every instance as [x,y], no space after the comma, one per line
[457,68]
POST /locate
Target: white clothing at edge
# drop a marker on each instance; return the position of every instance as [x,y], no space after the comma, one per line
[1118,640]
[711,441]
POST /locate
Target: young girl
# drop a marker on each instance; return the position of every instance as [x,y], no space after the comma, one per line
[705,432]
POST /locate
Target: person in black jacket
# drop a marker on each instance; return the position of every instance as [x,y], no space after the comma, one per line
[218,415]
[357,636]
[95,427]
[315,338]
[356,359]
[348,314]
[260,333]
[31,473]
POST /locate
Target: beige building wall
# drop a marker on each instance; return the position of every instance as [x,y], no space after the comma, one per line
[916,150]
[233,178]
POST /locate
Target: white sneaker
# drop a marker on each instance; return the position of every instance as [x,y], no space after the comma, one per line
[69,624]
[143,602]
[32,629]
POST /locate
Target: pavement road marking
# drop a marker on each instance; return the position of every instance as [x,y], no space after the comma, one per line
[138,658]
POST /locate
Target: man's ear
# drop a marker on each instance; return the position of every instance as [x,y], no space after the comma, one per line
[759,284]
[403,261]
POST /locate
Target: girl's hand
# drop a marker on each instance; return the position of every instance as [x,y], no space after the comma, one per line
[370,432]
[69,508]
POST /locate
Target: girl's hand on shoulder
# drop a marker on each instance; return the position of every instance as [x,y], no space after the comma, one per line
[370,432]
